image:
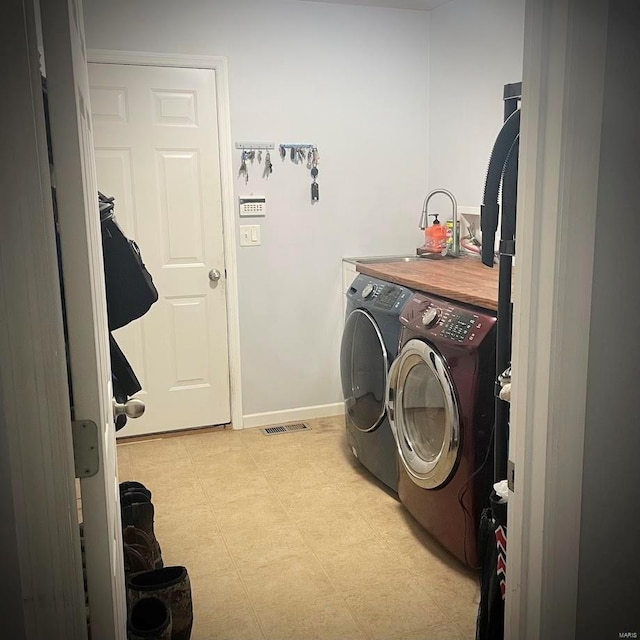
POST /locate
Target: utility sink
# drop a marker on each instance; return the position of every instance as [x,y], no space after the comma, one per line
[381,259]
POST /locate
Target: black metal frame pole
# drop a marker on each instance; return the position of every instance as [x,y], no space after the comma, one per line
[511,95]
[503,337]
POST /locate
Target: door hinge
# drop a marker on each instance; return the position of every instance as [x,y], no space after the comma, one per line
[85,448]
[511,474]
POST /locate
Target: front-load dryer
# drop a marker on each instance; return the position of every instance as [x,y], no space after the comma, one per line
[440,405]
[369,345]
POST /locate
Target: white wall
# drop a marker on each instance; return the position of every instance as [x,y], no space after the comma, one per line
[476,47]
[352,80]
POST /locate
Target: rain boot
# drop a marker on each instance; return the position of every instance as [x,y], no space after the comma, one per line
[139,554]
[172,586]
[140,515]
[129,486]
[149,619]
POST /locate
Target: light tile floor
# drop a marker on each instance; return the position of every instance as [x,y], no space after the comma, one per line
[288,537]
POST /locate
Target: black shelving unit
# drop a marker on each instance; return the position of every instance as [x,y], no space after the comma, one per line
[502,182]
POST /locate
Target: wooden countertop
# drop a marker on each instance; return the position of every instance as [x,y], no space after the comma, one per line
[463,279]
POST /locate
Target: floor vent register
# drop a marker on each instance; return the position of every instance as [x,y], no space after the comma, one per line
[285,428]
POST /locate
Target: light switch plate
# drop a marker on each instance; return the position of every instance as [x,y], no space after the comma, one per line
[249,235]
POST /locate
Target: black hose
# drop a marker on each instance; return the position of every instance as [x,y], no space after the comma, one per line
[510,192]
[489,210]
[504,316]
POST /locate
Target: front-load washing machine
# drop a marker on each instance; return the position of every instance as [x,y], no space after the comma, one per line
[440,405]
[369,345]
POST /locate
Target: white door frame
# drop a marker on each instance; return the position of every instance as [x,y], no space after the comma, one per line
[219,65]
[563,89]
[43,593]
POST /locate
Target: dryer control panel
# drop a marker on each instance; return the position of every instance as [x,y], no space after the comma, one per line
[445,320]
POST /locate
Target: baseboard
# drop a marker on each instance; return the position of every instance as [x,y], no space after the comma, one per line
[292,415]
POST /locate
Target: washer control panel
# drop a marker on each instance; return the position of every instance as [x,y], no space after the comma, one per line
[438,318]
[388,296]
[377,294]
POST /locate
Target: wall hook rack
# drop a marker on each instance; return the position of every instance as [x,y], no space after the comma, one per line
[255,145]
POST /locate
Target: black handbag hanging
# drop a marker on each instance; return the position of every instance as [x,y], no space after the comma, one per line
[129,286]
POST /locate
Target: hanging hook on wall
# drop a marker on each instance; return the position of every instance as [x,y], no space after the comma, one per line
[255,146]
[250,151]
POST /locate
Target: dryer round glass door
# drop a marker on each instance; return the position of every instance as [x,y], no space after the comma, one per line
[363,369]
[425,414]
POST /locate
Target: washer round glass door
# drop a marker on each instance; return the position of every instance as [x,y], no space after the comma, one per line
[425,414]
[363,369]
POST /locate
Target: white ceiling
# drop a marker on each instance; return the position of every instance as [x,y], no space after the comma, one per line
[424,5]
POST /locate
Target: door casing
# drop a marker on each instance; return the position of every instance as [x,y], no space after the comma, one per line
[42,593]
[165,175]
[219,65]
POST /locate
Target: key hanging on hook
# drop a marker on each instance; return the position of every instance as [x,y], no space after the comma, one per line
[243,172]
[315,189]
[268,167]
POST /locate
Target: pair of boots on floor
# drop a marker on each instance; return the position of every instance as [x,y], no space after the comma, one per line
[158,597]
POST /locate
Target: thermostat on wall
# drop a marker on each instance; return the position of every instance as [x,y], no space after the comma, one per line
[252,205]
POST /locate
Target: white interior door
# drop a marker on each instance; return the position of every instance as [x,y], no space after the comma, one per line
[83,275]
[157,153]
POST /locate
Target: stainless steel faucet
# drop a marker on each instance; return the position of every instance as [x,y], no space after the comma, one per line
[455,250]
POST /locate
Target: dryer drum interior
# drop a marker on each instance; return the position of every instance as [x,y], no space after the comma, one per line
[426,419]
[364,365]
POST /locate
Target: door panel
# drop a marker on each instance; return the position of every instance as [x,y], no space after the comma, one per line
[156,140]
[83,275]
[181,215]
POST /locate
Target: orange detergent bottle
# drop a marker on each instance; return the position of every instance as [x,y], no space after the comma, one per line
[435,236]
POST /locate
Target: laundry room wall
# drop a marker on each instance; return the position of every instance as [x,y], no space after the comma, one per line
[476,47]
[354,81]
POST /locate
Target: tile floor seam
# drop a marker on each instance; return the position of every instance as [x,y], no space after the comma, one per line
[450,620]
[419,585]
[338,593]
[233,559]
[315,556]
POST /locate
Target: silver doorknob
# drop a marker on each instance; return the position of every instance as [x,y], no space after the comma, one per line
[132,408]
[214,275]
